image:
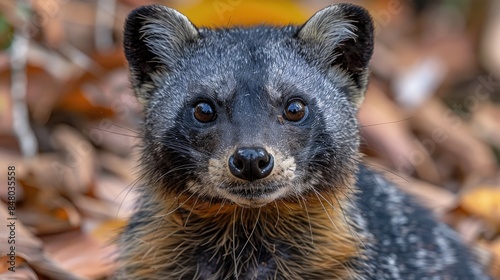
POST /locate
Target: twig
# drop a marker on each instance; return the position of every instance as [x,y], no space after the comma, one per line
[105,19]
[19,82]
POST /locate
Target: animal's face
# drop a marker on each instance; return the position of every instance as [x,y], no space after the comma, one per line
[249,115]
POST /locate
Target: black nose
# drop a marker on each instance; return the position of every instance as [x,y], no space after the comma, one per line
[251,163]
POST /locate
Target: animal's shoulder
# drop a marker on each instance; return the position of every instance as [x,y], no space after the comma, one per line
[408,241]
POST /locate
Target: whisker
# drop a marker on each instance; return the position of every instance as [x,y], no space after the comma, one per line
[385,123]
[278,212]
[251,234]
[114,132]
[387,170]
[126,128]
[128,189]
[179,205]
[234,245]
[308,220]
[220,207]
[191,211]
[326,212]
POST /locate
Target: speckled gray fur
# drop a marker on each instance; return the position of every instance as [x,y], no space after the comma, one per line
[408,242]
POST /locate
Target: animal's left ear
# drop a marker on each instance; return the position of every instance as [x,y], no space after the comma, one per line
[155,39]
[341,36]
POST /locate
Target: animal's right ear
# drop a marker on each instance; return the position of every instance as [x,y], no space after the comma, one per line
[155,38]
[341,36]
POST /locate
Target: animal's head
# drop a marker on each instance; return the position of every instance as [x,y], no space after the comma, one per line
[253,115]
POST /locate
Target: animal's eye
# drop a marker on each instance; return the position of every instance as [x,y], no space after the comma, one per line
[295,110]
[204,112]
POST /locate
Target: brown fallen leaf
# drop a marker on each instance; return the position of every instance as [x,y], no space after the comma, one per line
[490,53]
[52,27]
[102,92]
[5,260]
[11,158]
[23,272]
[386,129]
[118,194]
[6,127]
[443,131]
[40,205]
[111,135]
[46,211]
[485,122]
[107,231]
[124,167]
[483,201]
[95,208]
[81,253]
[52,171]
[79,160]
[471,228]
[30,250]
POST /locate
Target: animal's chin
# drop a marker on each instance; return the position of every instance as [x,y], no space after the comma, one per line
[252,196]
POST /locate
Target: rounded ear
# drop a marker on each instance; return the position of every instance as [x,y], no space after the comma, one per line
[341,36]
[155,38]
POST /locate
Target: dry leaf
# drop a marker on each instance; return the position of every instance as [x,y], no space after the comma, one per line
[118,194]
[483,201]
[107,232]
[45,211]
[486,123]
[81,253]
[5,260]
[443,130]
[79,159]
[124,167]
[29,249]
[5,108]
[387,130]
[23,272]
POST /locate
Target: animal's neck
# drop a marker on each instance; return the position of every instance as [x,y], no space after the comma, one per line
[309,237]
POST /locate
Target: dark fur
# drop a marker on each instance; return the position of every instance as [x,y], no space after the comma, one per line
[308,219]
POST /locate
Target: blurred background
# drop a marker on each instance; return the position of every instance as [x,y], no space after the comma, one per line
[69,120]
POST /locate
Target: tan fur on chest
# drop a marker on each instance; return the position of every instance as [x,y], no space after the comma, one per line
[322,240]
